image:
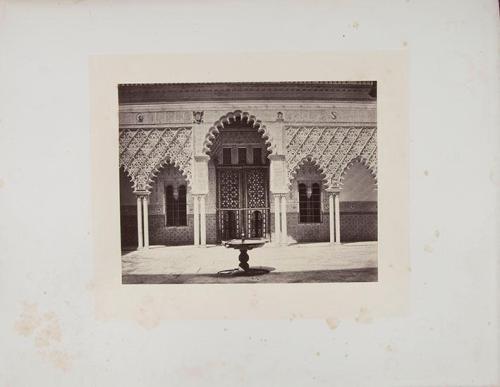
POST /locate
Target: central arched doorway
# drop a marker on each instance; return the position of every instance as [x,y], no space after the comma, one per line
[240,157]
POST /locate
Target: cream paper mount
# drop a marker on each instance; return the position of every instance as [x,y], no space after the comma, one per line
[150,304]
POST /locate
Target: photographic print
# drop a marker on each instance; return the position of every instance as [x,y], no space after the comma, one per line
[261,182]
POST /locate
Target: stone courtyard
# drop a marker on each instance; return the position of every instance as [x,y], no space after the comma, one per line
[290,163]
[315,262]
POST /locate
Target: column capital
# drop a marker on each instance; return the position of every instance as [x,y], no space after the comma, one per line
[202,158]
[276,157]
[142,193]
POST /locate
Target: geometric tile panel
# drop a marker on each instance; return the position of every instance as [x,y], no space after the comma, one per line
[143,151]
[331,148]
[308,232]
[358,227]
[159,234]
[358,221]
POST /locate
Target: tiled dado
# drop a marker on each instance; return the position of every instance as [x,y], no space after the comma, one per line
[356,227]
[358,222]
[308,232]
[358,207]
[160,234]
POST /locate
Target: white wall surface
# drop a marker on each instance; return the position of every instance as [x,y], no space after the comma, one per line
[48,333]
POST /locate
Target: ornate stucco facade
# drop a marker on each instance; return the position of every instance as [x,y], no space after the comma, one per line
[307,131]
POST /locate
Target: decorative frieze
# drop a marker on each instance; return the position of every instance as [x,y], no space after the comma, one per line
[291,113]
[144,151]
[157,117]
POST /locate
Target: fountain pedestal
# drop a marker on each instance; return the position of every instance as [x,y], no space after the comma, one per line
[244,258]
[244,245]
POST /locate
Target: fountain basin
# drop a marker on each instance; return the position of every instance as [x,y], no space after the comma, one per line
[244,245]
[247,244]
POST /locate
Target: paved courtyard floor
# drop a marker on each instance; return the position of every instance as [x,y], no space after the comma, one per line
[315,262]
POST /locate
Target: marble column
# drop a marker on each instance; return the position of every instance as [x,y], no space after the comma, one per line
[331,217]
[337,218]
[203,224]
[140,243]
[284,233]
[146,221]
[196,222]
[277,220]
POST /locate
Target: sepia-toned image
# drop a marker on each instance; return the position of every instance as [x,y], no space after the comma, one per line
[261,182]
[249,194]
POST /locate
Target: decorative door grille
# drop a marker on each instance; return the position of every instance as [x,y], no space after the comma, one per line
[242,202]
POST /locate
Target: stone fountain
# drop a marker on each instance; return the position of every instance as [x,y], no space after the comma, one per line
[244,245]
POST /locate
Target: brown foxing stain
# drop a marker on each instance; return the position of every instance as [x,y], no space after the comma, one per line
[294,316]
[50,332]
[355,25]
[28,321]
[59,359]
[363,316]
[332,323]
[46,332]
[429,247]
[493,175]
[91,284]
[389,348]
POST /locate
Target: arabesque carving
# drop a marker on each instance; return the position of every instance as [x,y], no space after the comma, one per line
[331,148]
[232,117]
[144,151]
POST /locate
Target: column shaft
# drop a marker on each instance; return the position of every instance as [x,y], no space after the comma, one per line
[145,200]
[277,220]
[196,220]
[140,243]
[337,218]
[203,227]
[284,234]
[331,217]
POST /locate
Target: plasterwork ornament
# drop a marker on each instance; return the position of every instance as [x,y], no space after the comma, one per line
[331,148]
[144,151]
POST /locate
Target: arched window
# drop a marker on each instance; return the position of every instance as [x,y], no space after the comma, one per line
[303,203]
[175,203]
[315,204]
[309,203]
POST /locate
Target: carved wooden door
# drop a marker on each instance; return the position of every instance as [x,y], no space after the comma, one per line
[242,202]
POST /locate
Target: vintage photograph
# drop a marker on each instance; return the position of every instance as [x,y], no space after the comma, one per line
[261,182]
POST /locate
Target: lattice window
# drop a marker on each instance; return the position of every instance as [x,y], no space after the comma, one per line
[309,203]
[175,206]
[257,156]
[226,155]
[242,155]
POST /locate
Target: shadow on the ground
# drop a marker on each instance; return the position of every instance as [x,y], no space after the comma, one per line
[254,270]
[315,276]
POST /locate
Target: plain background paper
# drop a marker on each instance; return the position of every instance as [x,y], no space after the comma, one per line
[50,335]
